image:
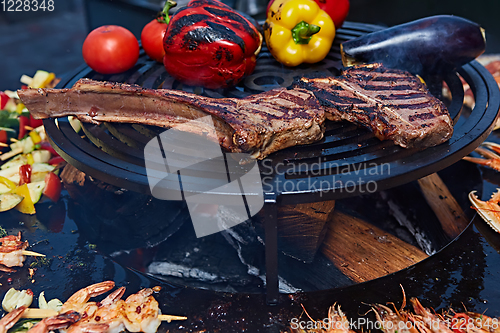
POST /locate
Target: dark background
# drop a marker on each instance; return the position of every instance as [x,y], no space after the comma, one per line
[52,40]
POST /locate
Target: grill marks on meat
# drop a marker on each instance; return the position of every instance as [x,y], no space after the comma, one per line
[393,104]
[260,124]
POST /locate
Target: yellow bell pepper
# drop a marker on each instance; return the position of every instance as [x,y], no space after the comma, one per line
[298,31]
[26,206]
[7,182]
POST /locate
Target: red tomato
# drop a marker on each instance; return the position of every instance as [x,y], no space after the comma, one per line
[152,39]
[152,34]
[52,186]
[110,49]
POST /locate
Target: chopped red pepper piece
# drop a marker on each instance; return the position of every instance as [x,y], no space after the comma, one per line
[52,186]
[3,136]
[46,145]
[56,160]
[35,122]
[4,98]
[24,174]
[23,122]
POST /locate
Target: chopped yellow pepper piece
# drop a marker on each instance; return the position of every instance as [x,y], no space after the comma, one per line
[35,137]
[7,182]
[26,206]
[30,159]
[19,108]
[41,79]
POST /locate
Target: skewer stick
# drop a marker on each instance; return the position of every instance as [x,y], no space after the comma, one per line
[33,313]
[33,254]
[3,144]
[13,140]
[11,153]
[169,318]
[29,128]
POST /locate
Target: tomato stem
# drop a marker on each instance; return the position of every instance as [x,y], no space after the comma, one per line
[163,15]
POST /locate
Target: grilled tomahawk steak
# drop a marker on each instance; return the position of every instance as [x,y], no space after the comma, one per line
[394,104]
[259,124]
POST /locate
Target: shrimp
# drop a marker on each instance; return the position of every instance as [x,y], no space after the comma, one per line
[11,318]
[435,323]
[107,317]
[141,312]
[60,321]
[337,321]
[79,301]
[484,322]
[11,252]
[393,321]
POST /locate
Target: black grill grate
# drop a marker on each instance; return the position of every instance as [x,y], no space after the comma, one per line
[348,161]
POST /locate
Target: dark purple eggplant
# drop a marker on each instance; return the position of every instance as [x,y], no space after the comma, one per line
[432,45]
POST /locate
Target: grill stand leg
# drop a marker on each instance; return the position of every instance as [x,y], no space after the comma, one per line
[271,230]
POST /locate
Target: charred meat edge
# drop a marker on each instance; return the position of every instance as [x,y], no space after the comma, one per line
[259,124]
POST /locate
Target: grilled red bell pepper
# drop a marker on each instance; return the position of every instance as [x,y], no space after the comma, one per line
[336,9]
[209,44]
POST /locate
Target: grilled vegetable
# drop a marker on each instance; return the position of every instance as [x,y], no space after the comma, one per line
[9,201]
[337,9]
[209,44]
[432,45]
[298,31]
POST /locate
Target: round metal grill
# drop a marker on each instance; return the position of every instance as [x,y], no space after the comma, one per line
[348,161]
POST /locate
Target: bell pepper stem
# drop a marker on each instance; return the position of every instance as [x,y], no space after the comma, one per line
[163,15]
[303,32]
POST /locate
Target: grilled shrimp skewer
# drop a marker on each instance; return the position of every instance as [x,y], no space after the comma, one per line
[13,252]
[140,312]
[105,316]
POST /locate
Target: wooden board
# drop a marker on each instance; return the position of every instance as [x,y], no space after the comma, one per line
[364,252]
